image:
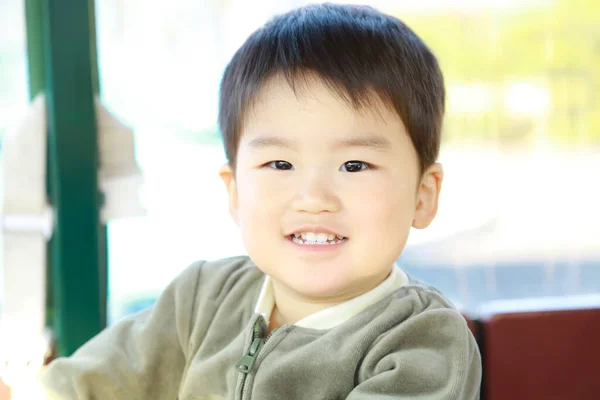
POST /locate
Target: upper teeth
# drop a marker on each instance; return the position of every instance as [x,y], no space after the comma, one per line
[316,237]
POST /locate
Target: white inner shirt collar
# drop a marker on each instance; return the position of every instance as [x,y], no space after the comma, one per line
[334,315]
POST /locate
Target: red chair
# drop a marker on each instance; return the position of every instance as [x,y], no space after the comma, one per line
[542,354]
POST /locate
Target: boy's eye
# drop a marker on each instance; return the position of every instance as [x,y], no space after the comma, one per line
[282,165]
[354,166]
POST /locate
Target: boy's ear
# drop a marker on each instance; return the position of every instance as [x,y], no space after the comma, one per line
[227,175]
[428,194]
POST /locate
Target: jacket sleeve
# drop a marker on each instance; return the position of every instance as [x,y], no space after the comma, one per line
[432,356]
[140,357]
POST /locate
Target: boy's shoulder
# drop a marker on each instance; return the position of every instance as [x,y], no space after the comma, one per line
[429,291]
[415,303]
[216,278]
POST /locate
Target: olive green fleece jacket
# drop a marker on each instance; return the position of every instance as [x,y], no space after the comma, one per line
[203,340]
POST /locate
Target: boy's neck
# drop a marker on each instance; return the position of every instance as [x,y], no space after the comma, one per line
[290,308]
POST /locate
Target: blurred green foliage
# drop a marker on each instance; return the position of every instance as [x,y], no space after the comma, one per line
[555,45]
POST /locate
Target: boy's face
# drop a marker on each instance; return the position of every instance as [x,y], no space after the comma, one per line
[311,163]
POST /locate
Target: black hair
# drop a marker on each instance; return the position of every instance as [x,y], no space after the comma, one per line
[360,53]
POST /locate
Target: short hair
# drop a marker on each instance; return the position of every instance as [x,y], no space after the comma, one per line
[360,53]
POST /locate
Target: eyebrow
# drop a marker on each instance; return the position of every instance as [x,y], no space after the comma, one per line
[271,141]
[373,142]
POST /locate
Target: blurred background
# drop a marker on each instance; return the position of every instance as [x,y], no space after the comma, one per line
[519,219]
[519,211]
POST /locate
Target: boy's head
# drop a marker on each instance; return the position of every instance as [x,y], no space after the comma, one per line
[331,117]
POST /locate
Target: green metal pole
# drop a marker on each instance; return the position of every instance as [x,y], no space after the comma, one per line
[35,47]
[73,164]
[102,229]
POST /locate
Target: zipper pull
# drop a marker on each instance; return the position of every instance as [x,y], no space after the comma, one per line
[247,361]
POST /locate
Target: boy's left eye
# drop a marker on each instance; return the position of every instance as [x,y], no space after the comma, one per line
[354,166]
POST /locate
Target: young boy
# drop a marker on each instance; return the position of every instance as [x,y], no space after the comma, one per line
[331,118]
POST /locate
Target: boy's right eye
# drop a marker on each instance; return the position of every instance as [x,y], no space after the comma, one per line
[280,164]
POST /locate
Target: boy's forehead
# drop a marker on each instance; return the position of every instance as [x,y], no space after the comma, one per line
[279,99]
[314,115]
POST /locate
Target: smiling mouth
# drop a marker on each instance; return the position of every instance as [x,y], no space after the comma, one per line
[316,239]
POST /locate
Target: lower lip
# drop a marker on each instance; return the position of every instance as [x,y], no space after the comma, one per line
[316,247]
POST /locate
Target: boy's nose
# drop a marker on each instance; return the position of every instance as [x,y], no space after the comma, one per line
[316,195]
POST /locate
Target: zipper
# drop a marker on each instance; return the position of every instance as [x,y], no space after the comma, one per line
[246,364]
